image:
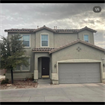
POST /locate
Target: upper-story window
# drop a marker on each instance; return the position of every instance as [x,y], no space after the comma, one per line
[86,38]
[26,40]
[44,40]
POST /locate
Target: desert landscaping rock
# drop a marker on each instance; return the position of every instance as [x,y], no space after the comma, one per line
[9,84]
[19,84]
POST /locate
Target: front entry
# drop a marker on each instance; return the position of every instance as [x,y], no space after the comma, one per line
[45,67]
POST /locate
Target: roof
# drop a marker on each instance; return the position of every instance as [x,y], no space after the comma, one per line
[86,28]
[75,42]
[42,49]
[19,30]
[52,30]
[44,27]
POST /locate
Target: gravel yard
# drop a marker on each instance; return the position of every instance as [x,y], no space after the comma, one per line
[18,84]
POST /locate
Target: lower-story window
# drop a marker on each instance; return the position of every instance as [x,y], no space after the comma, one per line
[23,68]
[18,67]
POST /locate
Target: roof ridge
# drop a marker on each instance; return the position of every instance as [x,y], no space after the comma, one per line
[53,30]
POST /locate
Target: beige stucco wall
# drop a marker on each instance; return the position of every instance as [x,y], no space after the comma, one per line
[55,40]
[71,53]
[19,76]
[28,50]
[86,32]
[63,39]
[50,38]
[58,40]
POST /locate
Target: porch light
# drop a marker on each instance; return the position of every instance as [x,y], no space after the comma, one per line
[55,65]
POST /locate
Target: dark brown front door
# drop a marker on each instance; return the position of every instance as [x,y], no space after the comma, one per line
[45,66]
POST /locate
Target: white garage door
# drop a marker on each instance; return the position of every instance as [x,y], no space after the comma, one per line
[79,73]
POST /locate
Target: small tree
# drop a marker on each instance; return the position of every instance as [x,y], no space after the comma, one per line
[13,53]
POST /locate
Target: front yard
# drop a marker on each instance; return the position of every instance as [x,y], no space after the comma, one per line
[18,84]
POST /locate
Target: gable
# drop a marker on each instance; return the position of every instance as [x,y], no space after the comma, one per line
[44,28]
[88,29]
[76,42]
[44,31]
[71,52]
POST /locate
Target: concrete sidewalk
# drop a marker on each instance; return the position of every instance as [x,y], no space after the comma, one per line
[56,93]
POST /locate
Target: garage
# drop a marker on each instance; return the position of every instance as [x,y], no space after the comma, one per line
[79,73]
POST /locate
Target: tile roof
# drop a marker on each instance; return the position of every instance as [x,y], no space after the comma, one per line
[42,49]
[74,42]
[67,30]
[47,28]
[19,30]
[87,29]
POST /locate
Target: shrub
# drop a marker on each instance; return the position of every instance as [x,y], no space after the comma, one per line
[5,81]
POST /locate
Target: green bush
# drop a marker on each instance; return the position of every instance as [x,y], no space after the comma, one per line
[5,81]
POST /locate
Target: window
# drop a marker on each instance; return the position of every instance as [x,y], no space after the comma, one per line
[17,68]
[44,40]
[86,38]
[26,39]
[22,67]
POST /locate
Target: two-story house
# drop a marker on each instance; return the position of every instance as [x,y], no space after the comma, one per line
[63,55]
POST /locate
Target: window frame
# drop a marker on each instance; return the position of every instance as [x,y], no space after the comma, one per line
[29,40]
[84,38]
[41,39]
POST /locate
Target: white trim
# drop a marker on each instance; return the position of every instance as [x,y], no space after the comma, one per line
[41,39]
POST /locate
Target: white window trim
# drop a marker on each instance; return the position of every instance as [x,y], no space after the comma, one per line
[29,40]
[21,68]
[41,39]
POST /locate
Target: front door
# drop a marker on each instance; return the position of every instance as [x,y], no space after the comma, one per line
[45,67]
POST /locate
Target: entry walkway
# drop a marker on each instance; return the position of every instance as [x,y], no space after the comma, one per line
[43,83]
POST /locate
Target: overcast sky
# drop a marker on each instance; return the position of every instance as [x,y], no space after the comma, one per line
[62,15]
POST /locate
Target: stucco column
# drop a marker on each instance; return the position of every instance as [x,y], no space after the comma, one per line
[36,69]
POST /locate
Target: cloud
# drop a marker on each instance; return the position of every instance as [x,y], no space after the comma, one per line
[61,15]
[100,44]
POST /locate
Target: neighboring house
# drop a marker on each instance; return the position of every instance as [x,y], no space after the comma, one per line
[1,41]
[2,71]
[63,55]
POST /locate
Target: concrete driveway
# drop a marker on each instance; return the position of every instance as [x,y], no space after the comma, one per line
[56,93]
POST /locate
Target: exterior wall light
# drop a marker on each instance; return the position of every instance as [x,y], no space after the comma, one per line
[103,65]
[55,65]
